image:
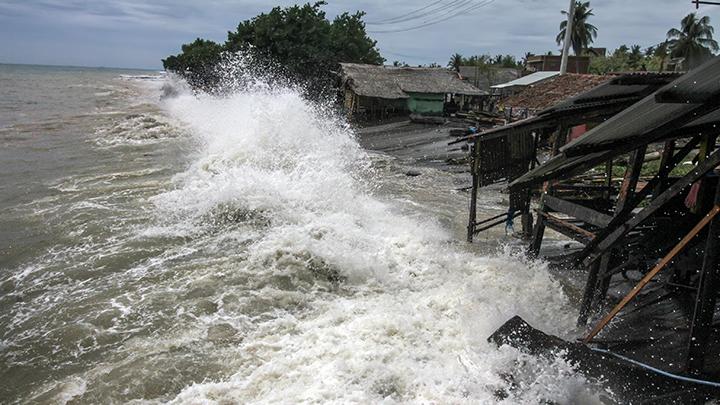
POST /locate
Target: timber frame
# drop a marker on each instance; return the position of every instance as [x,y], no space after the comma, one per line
[631,224]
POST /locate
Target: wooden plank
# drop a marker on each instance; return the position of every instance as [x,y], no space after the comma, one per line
[578,211]
[652,273]
[567,225]
[617,233]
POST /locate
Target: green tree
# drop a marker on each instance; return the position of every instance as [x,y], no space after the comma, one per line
[583,33]
[300,39]
[196,62]
[635,57]
[693,41]
[456,60]
[350,43]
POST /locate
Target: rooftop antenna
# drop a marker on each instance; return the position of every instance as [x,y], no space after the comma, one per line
[568,38]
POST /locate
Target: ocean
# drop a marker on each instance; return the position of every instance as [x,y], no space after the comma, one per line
[160,246]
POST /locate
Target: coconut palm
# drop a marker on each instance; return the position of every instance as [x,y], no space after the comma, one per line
[583,33]
[693,41]
[456,61]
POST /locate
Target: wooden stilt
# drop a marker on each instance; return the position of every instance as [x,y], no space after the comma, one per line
[621,230]
[665,163]
[652,273]
[701,323]
[539,229]
[473,192]
[622,217]
[595,291]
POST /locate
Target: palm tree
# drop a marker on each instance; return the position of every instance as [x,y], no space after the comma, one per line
[583,33]
[455,62]
[693,41]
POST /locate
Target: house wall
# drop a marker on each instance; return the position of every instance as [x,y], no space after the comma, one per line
[551,63]
[426,103]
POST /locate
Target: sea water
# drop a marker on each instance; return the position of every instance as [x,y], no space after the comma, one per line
[159,245]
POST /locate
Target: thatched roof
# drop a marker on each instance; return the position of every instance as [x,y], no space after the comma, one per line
[391,82]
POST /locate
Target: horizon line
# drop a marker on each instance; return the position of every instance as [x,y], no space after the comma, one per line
[81,66]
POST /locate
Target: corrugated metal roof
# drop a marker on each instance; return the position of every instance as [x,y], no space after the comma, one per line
[391,82]
[697,86]
[527,80]
[648,114]
[635,123]
[619,92]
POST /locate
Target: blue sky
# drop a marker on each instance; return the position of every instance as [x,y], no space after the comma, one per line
[138,33]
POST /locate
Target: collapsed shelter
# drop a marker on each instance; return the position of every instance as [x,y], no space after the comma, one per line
[650,236]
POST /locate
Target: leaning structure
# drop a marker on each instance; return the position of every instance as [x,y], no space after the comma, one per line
[649,236]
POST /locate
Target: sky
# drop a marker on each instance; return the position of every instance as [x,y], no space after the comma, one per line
[139,33]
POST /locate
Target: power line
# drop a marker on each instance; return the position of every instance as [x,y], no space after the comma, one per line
[406,15]
[461,12]
[417,14]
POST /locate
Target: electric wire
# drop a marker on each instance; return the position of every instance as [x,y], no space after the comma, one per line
[423,12]
[461,12]
[657,370]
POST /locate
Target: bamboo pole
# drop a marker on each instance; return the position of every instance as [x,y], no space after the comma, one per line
[645,280]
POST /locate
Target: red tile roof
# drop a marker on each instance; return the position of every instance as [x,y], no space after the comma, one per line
[552,91]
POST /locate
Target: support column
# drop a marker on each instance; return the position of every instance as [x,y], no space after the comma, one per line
[595,292]
[539,229]
[701,323]
[472,220]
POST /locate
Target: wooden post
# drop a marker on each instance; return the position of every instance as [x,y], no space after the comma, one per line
[473,192]
[527,217]
[622,229]
[583,258]
[608,178]
[665,169]
[701,323]
[652,273]
[598,269]
[539,229]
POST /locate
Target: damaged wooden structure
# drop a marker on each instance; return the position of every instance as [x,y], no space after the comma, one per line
[505,153]
[648,236]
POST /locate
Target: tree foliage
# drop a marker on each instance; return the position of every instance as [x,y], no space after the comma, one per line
[299,38]
[484,60]
[693,41]
[583,33]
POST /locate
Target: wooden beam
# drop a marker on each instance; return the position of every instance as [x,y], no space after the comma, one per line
[652,273]
[578,211]
[567,225]
[617,233]
[701,322]
[622,217]
[594,290]
[474,170]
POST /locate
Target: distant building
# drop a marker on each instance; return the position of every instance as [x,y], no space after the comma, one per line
[551,63]
[380,91]
[484,77]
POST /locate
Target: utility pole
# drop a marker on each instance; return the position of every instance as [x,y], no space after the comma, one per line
[698,3]
[568,38]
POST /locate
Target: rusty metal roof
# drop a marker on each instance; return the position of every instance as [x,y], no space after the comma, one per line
[644,122]
[648,114]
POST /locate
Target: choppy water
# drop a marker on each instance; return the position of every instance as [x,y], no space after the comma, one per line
[241,249]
